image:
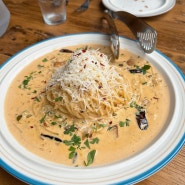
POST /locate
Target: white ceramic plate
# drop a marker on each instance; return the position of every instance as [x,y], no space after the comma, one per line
[34,170]
[141,8]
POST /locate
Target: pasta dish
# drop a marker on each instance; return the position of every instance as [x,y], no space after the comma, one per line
[88,86]
[78,106]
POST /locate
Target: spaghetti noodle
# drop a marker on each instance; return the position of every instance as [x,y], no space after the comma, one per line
[87,86]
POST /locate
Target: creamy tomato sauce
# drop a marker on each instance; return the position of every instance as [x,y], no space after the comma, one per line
[116,140]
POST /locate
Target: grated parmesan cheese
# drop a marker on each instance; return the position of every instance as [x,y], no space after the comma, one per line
[88,84]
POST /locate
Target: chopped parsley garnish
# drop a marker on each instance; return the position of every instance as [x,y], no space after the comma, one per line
[90,158]
[69,130]
[86,143]
[145,68]
[53,123]
[72,152]
[42,120]
[75,141]
[133,104]
[19,117]
[44,60]
[36,99]
[144,83]
[35,91]
[109,128]
[58,99]
[102,125]
[57,117]
[97,126]
[25,82]
[124,123]
[94,140]
[40,66]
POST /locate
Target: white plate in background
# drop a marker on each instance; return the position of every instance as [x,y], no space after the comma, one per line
[34,170]
[140,8]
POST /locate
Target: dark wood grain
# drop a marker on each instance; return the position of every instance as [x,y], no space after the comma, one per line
[27,27]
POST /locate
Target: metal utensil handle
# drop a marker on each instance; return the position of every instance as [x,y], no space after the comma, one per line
[113,34]
[135,24]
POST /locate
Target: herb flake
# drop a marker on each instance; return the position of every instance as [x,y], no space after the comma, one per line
[124,123]
[90,158]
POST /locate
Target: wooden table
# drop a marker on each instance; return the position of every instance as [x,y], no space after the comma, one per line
[27,27]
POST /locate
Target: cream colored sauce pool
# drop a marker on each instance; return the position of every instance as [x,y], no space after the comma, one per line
[112,146]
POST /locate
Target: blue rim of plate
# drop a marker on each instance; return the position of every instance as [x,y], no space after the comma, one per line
[132,180]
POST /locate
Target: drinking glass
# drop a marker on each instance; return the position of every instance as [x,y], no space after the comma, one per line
[53,11]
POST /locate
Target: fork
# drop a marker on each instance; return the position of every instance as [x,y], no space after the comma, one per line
[83,7]
[146,35]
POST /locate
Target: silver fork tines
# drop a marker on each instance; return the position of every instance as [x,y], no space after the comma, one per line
[147,40]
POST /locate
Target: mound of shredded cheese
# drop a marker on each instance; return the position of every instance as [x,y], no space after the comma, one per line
[87,86]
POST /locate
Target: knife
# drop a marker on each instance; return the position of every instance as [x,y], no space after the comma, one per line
[114,36]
